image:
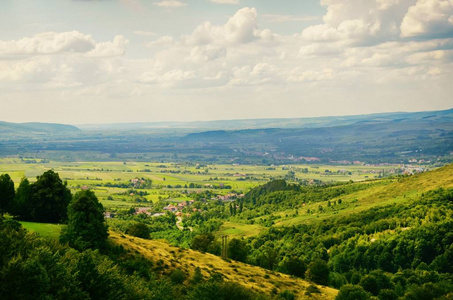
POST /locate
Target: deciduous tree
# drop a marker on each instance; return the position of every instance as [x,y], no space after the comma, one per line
[86,225]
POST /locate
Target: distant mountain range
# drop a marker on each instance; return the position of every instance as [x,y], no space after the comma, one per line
[387,137]
[6,127]
[315,122]
[200,126]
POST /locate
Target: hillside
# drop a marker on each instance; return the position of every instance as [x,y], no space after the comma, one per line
[377,193]
[258,279]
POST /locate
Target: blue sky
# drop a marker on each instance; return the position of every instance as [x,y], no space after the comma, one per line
[85,61]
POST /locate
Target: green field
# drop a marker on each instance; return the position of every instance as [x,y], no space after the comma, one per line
[44,229]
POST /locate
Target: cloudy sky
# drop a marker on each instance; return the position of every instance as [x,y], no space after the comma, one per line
[86,61]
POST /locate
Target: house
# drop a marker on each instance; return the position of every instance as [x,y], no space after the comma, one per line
[109,215]
[142,210]
[171,207]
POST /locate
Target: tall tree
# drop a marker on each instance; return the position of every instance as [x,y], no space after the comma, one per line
[21,204]
[86,225]
[6,193]
[50,198]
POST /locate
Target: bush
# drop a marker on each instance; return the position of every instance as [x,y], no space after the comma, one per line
[177,276]
[138,230]
[287,295]
[318,272]
[352,292]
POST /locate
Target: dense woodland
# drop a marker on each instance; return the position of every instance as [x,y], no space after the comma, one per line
[396,251]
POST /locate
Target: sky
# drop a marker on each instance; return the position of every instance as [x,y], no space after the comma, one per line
[114,61]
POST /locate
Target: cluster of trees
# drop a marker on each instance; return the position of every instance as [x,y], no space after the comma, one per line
[45,200]
[49,200]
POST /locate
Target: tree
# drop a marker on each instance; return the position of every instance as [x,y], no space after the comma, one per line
[6,193]
[139,230]
[21,203]
[293,266]
[318,272]
[352,292]
[206,243]
[86,226]
[237,250]
[50,198]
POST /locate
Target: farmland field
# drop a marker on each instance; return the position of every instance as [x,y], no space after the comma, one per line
[172,181]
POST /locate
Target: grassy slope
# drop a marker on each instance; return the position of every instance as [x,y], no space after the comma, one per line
[247,275]
[379,192]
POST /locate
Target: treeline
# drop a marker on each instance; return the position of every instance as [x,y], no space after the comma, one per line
[292,195]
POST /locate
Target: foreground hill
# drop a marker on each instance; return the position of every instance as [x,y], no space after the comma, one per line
[259,280]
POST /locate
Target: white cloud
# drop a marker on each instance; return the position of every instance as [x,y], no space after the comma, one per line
[115,48]
[259,74]
[428,18]
[240,28]
[359,22]
[207,53]
[170,4]
[225,1]
[57,60]
[49,43]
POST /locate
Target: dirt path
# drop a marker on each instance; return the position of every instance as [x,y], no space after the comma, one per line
[180,227]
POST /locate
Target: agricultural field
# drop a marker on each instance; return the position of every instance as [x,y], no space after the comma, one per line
[172,181]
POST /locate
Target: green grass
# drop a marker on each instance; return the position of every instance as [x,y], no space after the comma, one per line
[239,230]
[46,230]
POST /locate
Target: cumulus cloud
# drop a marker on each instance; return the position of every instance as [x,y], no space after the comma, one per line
[170,4]
[115,48]
[428,18]
[72,42]
[359,22]
[49,43]
[207,53]
[259,74]
[240,28]
[57,60]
